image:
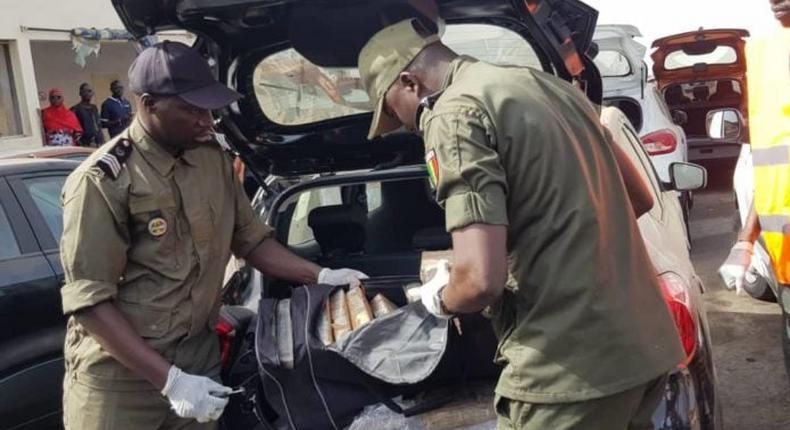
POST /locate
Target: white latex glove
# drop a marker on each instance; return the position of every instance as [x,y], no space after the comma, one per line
[429,292]
[733,271]
[341,277]
[193,396]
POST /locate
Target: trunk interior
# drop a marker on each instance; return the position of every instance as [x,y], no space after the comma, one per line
[380,223]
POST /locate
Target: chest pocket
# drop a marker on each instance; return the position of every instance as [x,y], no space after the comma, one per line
[154,223]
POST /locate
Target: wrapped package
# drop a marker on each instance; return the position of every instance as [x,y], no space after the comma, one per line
[285,334]
[325,324]
[358,307]
[428,262]
[412,292]
[338,308]
[381,306]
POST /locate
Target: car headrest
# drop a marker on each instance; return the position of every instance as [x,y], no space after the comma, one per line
[701,93]
[339,228]
[725,86]
[674,94]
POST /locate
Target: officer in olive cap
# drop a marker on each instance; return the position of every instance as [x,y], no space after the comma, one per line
[150,220]
[544,233]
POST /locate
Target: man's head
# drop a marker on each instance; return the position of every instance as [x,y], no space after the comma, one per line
[781,10]
[116,88]
[176,92]
[56,97]
[398,66]
[86,92]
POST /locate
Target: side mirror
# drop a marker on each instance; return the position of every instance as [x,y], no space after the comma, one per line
[687,176]
[724,124]
[680,117]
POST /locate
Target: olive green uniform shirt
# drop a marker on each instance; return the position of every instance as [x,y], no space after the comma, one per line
[582,316]
[155,242]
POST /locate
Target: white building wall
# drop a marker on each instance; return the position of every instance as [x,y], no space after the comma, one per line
[26,21]
[55,68]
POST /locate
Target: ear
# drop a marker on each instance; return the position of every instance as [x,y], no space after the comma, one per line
[410,81]
[149,102]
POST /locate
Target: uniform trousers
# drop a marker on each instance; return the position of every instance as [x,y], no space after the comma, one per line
[629,410]
[88,408]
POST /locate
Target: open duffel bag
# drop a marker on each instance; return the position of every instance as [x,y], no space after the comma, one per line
[404,353]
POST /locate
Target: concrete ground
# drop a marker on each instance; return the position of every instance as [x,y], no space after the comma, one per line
[753,388]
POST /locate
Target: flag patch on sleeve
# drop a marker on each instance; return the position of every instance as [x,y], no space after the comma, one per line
[432,163]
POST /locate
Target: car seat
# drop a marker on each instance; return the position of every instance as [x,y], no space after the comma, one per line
[406,207]
[339,229]
[725,92]
[701,93]
[674,95]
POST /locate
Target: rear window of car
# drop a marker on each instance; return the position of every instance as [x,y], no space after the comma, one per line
[292,91]
[612,64]
[723,54]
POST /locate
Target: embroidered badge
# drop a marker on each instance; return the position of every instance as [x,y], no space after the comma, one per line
[432,163]
[157,226]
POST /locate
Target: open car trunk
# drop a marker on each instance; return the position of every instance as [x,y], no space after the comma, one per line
[620,60]
[698,72]
[699,55]
[240,34]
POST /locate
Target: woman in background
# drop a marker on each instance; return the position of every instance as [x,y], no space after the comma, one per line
[60,124]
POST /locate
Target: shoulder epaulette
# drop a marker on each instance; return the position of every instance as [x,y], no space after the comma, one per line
[112,162]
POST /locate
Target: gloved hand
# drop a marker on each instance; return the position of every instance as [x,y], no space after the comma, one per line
[341,277]
[431,290]
[193,396]
[733,271]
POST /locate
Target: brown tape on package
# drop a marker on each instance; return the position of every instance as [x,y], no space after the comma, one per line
[325,324]
[381,306]
[359,307]
[341,320]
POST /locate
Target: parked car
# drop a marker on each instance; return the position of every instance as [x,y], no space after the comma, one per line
[620,60]
[690,400]
[75,153]
[31,341]
[698,72]
[368,205]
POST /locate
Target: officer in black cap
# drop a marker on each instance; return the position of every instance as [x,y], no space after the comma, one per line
[150,220]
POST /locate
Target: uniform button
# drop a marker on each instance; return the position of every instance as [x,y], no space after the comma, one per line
[154,326]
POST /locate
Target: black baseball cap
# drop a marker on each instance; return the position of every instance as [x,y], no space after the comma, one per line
[174,69]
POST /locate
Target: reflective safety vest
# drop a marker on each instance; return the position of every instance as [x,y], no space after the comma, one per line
[768,75]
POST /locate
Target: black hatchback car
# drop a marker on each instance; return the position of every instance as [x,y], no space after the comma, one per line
[359,203]
[32,321]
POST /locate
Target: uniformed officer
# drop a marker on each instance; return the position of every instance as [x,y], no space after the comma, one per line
[150,220]
[543,232]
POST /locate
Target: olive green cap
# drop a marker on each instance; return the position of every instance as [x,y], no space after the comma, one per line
[383,58]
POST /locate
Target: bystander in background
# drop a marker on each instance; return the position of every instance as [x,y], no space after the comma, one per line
[60,124]
[116,111]
[88,115]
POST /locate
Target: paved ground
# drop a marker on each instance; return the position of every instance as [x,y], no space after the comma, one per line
[752,384]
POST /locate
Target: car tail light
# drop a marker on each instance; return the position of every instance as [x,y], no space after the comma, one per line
[676,296]
[226,333]
[660,142]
